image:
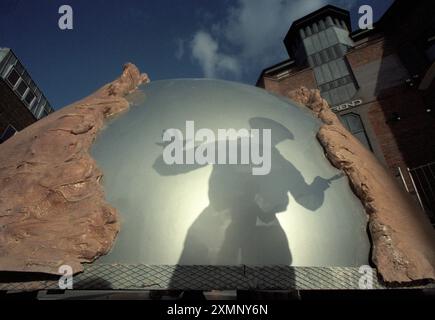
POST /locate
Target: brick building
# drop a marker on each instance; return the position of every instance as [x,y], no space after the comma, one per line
[21,101]
[379,81]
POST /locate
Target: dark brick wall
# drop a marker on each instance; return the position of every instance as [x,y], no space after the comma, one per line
[12,110]
[414,133]
[410,141]
[368,51]
[404,143]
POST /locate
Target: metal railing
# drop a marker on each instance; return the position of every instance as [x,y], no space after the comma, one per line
[423,181]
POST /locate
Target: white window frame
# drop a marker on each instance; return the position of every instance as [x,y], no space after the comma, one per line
[11,68]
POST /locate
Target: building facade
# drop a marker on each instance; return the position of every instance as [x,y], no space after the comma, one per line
[21,101]
[379,81]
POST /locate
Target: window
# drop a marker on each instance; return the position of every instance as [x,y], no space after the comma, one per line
[26,77]
[22,88]
[19,67]
[7,133]
[353,123]
[309,47]
[48,109]
[45,112]
[29,98]
[35,106]
[41,106]
[13,78]
[323,40]
[327,75]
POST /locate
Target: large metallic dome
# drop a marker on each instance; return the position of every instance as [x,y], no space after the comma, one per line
[301,213]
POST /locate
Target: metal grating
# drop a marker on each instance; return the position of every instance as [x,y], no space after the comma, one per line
[177,277]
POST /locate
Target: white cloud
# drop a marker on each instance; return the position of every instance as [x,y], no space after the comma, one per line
[258,27]
[251,33]
[213,63]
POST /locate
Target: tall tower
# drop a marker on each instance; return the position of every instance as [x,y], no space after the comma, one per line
[320,40]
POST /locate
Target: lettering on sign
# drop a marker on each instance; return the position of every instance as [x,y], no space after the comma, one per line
[347,105]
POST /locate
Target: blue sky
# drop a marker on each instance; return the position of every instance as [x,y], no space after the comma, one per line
[228,39]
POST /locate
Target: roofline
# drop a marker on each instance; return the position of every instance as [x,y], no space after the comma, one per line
[7,50]
[276,66]
[279,65]
[27,71]
[359,33]
[318,12]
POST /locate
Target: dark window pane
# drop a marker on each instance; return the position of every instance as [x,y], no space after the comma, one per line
[355,123]
[361,136]
[9,132]
[26,77]
[29,97]
[332,54]
[319,75]
[324,56]
[334,97]
[47,110]
[317,59]
[323,40]
[35,108]
[13,78]
[22,87]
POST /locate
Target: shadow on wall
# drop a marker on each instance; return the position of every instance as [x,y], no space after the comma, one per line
[402,124]
[403,105]
[239,226]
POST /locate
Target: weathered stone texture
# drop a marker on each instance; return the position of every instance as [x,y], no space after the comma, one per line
[52,207]
[403,240]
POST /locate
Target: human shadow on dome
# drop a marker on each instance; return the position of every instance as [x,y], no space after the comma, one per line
[239,226]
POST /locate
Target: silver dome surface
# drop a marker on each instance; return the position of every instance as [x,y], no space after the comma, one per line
[303,213]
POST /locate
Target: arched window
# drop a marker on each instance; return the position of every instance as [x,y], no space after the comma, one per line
[353,123]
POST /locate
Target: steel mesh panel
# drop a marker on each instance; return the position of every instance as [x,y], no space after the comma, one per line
[177,277]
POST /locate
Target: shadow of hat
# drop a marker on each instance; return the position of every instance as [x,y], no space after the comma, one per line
[278,131]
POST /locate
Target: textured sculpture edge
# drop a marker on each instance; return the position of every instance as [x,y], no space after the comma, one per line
[52,207]
[403,240]
[48,165]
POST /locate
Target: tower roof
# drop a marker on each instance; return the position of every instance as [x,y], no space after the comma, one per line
[328,10]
